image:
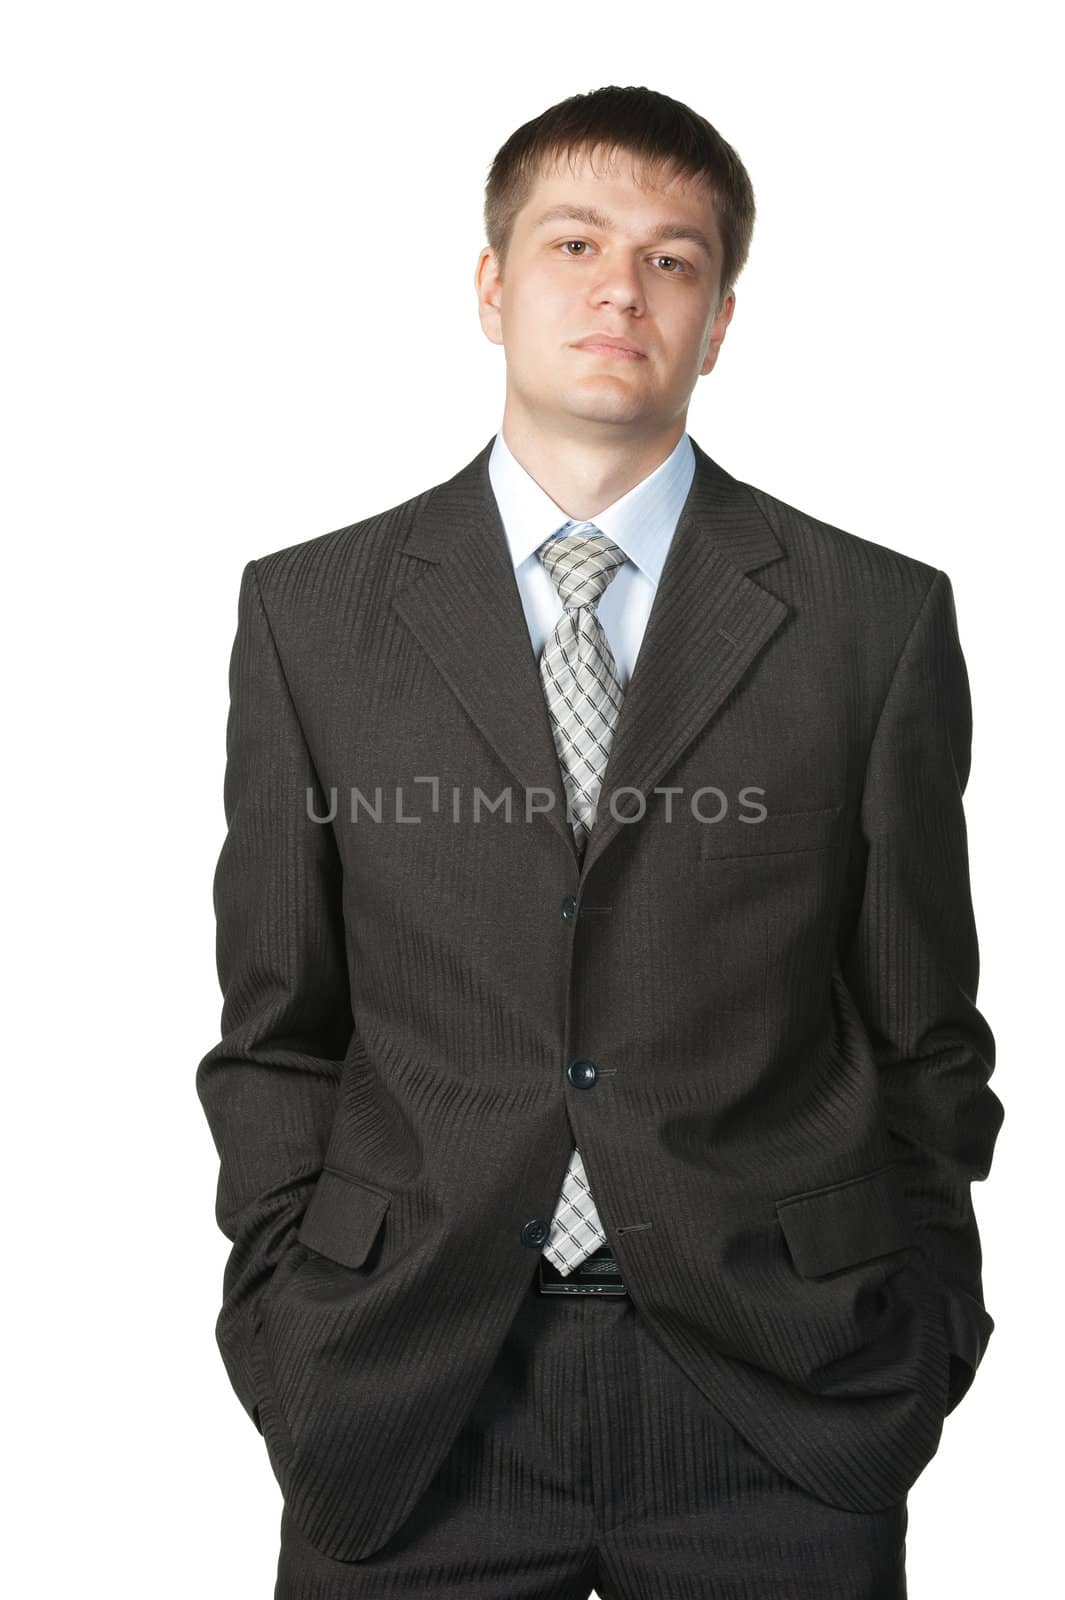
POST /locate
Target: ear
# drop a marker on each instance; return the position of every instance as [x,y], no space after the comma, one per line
[720,323]
[488,283]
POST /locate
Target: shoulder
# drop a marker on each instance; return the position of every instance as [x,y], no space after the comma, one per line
[813,541]
[311,568]
[857,583]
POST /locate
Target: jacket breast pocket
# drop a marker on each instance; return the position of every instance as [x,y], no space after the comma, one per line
[777,832]
[343,1217]
[845,1224]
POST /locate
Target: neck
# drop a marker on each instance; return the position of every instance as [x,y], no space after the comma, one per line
[585,475]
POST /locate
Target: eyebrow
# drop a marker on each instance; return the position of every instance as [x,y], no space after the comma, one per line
[596,219]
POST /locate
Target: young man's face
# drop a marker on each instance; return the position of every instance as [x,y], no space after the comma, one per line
[617,275]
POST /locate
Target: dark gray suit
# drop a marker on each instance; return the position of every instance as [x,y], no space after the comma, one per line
[789,1099]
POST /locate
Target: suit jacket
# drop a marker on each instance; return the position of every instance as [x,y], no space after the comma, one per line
[788,1099]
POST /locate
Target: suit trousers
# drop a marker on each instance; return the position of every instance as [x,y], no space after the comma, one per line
[590,1463]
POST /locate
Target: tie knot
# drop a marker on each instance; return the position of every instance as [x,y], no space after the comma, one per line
[581,562]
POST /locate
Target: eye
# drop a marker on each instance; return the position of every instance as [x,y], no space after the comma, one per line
[678,268]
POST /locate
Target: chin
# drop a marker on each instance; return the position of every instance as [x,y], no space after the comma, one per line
[612,405]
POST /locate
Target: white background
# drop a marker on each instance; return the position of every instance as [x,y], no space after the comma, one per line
[240,313]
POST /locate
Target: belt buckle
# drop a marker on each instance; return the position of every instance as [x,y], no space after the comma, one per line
[599,1274]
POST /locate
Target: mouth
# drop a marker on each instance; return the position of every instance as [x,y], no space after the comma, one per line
[619,352]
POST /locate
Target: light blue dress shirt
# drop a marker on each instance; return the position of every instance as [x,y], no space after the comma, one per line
[642,523]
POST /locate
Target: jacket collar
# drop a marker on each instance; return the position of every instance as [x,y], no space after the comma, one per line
[708,623]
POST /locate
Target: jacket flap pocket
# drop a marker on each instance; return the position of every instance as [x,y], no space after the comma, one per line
[839,1226]
[775,832]
[342,1217]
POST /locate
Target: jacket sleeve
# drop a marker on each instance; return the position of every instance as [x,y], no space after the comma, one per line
[913,964]
[269,1086]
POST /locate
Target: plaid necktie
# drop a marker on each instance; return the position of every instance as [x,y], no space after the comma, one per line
[583,691]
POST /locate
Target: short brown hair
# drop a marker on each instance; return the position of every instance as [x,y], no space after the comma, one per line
[657,130]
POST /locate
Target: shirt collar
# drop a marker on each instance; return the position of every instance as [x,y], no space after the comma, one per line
[641,523]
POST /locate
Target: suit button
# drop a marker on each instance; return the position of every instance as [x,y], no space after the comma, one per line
[569,907]
[535,1232]
[582,1074]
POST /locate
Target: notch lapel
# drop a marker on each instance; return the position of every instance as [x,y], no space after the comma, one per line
[708,622]
[466,610]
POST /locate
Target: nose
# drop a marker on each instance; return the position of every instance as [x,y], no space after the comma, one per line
[619,286]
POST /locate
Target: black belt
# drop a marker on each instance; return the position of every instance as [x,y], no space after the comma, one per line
[599,1274]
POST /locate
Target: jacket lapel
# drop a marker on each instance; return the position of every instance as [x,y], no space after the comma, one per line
[708,623]
[466,610]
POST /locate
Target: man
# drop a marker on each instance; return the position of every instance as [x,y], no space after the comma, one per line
[601,1082]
